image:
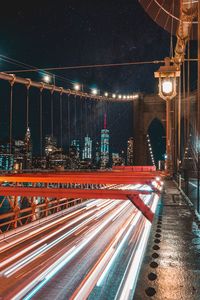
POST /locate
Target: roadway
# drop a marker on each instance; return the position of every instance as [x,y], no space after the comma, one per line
[78,255]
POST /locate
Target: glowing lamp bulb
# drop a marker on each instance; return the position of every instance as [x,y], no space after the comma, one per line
[47,78]
[94,91]
[77,87]
[106,94]
[167,86]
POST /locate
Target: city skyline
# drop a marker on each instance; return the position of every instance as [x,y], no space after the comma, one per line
[19,155]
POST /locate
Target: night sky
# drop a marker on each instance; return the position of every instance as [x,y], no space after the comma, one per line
[71,33]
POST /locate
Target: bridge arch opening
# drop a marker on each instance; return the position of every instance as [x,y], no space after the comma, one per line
[157,136]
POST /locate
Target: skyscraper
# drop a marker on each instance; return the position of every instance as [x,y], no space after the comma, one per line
[22,151]
[87,150]
[28,149]
[130,152]
[105,145]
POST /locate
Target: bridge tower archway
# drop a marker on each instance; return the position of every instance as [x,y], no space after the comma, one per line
[146,109]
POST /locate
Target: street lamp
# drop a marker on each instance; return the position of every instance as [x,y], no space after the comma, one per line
[94,92]
[167,75]
[77,87]
[47,78]
[114,95]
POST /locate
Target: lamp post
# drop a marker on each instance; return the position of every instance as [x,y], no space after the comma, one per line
[167,75]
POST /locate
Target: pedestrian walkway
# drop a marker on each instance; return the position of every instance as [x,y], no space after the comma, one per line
[171,268]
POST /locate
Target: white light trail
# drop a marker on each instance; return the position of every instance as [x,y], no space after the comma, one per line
[24,261]
[119,248]
[61,262]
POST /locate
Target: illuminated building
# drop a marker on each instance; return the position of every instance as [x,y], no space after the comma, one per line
[50,145]
[22,151]
[97,154]
[54,157]
[18,150]
[87,150]
[104,145]
[130,152]
[6,162]
[73,160]
[115,159]
[76,143]
[27,150]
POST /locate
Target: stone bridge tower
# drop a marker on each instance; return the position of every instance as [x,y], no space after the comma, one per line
[145,109]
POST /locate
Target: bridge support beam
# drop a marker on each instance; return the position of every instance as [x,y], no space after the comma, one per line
[139,203]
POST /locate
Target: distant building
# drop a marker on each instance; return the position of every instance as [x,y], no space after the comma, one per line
[105,137]
[4,148]
[73,158]
[18,151]
[122,158]
[97,155]
[76,143]
[130,152]
[54,155]
[40,162]
[50,145]
[27,150]
[6,158]
[6,162]
[87,150]
[115,159]
[22,151]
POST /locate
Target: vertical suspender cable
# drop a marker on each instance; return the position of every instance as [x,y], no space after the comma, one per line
[27,104]
[27,121]
[184,107]
[68,111]
[75,118]
[52,92]
[179,121]
[198,114]
[171,33]
[95,118]
[41,137]
[61,121]
[90,119]
[11,114]
[81,121]
[188,93]
[86,127]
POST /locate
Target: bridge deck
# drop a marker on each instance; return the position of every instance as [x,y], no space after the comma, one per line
[171,268]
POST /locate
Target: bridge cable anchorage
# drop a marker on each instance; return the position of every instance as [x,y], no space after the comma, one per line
[12,81]
[141,206]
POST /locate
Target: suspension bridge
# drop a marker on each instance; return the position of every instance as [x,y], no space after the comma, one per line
[73,225]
